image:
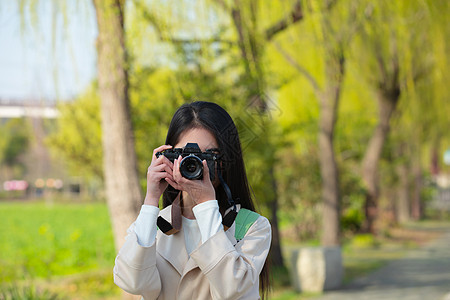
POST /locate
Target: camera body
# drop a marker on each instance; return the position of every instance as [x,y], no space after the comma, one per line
[191,166]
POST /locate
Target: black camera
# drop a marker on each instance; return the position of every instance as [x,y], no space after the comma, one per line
[191,166]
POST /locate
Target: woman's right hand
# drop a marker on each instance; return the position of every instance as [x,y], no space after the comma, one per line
[160,169]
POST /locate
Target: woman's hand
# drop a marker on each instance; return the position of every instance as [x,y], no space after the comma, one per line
[198,190]
[158,175]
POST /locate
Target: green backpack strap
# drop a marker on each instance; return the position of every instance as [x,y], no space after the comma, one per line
[244,220]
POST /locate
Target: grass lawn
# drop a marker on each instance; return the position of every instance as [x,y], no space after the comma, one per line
[48,244]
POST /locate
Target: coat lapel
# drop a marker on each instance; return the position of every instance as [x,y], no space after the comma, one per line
[173,247]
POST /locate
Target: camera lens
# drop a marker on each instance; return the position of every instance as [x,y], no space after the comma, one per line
[191,167]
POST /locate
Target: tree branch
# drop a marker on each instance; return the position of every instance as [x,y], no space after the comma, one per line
[158,25]
[237,20]
[198,41]
[293,17]
[298,67]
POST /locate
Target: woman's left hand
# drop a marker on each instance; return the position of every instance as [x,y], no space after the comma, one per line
[199,190]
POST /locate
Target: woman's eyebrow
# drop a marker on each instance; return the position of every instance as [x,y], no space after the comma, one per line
[213,149]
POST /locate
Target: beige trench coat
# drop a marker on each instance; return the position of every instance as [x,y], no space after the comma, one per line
[220,268]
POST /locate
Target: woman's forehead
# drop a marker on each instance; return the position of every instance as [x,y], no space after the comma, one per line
[203,137]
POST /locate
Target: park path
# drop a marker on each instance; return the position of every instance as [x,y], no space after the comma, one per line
[424,274]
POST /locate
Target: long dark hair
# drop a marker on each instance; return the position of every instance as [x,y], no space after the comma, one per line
[214,118]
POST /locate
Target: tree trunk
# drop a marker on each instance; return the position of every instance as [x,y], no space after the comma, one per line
[434,169]
[387,104]
[330,188]
[275,251]
[403,213]
[416,203]
[329,102]
[120,168]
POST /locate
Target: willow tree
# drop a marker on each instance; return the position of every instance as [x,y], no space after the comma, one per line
[252,42]
[393,67]
[424,121]
[119,156]
[332,35]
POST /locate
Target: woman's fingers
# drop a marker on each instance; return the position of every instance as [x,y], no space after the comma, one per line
[159,176]
[161,168]
[176,170]
[173,183]
[206,177]
[157,173]
[161,148]
[162,160]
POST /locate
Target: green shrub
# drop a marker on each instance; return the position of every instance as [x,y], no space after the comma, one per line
[364,241]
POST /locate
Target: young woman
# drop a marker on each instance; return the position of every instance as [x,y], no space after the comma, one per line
[199,251]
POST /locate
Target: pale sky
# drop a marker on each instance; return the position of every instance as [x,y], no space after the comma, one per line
[45,59]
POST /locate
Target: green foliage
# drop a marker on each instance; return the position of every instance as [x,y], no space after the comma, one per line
[364,241]
[15,141]
[77,135]
[352,198]
[153,103]
[300,191]
[353,214]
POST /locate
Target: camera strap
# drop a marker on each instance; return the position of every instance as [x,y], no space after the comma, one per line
[228,219]
[171,228]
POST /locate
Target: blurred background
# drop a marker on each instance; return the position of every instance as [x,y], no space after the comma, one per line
[342,108]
